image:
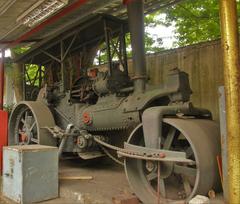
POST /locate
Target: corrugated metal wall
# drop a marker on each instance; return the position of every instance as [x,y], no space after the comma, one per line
[203,63]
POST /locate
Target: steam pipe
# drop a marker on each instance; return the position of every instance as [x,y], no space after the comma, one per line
[135,9]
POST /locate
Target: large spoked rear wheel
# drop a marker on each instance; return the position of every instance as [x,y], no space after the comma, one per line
[28,123]
[172,182]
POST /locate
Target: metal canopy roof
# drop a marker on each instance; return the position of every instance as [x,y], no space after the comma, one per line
[10,10]
[88,33]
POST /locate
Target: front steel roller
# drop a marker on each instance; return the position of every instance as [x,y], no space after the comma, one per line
[27,124]
[174,182]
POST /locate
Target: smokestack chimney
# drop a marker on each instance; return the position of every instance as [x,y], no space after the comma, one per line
[135,10]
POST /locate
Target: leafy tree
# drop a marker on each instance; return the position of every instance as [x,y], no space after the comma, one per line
[153,44]
[31,69]
[20,50]
[195,21]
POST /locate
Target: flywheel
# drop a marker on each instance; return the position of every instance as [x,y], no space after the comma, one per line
[175,182]
[28,122]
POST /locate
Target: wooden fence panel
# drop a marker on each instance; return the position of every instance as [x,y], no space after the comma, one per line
[203,63]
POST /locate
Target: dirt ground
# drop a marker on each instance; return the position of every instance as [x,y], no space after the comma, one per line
[108,181]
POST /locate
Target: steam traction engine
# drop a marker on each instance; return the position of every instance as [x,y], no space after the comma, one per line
[169,147]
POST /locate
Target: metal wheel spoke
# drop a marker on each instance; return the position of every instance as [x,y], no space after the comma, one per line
[26,115]
[28,122]
[29,137]
[161,185]
[34,140]
[32,126]
[184,170]
[186,185]
[23,121]
[152,176]
[189,152]
[162,188]
[169,138]
[30,119]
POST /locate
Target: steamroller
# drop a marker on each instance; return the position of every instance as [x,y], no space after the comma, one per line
[168,147]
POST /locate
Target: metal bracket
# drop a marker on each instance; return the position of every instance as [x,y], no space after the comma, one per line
[145,153]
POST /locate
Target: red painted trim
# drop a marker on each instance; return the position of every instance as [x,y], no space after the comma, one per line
[49,21]
[1,80]
[24,41]
[126,2]
[3,134]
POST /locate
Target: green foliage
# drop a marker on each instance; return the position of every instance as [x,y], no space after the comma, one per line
[31,69]
[20,50]
[152,43]
[32,75]
[195,21]
[8,108]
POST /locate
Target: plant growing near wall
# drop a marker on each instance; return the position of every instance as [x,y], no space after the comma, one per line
[8,108]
